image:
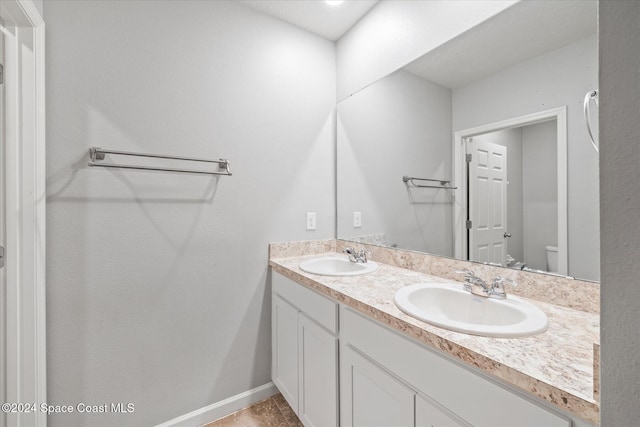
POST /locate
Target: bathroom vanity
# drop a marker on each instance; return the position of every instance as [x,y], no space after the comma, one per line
[344,354]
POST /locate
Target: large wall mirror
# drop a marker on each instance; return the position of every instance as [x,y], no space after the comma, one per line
[478,150]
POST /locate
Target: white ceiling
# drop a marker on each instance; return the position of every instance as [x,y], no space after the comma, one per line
[316,16]
[521,32]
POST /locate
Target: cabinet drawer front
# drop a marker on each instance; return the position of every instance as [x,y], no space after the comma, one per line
[463,392]
[313,305]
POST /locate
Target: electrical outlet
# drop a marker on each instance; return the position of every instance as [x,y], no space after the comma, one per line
[311,220]
[357,219]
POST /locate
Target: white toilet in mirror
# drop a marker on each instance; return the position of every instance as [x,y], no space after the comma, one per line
[552,258]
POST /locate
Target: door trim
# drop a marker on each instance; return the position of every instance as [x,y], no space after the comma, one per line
[25,208]
[460,208]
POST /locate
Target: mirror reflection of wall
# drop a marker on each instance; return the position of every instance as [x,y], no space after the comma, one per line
[404,125]
[399,126]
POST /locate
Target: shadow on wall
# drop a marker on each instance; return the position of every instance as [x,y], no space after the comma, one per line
[243,344]
[433,206]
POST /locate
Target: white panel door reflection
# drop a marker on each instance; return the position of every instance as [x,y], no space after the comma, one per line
[487,201]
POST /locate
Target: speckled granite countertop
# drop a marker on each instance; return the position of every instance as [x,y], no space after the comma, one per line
[557,366]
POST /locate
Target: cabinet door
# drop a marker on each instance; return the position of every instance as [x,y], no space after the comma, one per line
[370,397]
[318,365]
[284,337]
[460,390]
[430,414]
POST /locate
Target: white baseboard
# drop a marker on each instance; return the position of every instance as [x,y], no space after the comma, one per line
[224,407]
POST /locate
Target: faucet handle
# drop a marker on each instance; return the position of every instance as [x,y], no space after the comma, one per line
[350,253]
[501,280]
[510,281]
[465,271]
[497,288]
[468,276]
[357,255]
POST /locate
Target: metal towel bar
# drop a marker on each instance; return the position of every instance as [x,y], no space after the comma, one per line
[96,154]
[441,181]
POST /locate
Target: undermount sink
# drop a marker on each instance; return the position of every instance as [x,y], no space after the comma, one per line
[335,266]
[447,306]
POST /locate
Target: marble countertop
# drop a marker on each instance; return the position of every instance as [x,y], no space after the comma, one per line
[557,365]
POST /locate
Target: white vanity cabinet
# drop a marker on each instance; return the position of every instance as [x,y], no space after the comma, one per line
[373,397]
[284,336]
[385,379]
[430,414]
[305,351]
[381,367]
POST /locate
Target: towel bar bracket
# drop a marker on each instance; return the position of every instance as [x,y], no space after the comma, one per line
[96,154]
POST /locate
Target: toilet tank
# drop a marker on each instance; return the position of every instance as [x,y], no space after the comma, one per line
[552,258]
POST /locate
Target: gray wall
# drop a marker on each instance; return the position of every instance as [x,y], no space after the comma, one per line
[158,289]
[619,24]
[558,78]
[40,6]
[540,190]
[401,125]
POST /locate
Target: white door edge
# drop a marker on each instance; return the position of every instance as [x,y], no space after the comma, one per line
[460,207]
[25,380]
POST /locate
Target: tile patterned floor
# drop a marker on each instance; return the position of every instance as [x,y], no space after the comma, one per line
[271,412]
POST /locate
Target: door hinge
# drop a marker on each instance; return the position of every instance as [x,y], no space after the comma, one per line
[469,224]
[1,74]
[1,256]
[469,158]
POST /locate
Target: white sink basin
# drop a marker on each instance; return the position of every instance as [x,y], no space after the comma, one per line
[335,266]
[450,307]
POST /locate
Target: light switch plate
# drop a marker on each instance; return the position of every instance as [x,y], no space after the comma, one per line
[311,220]
[357,219]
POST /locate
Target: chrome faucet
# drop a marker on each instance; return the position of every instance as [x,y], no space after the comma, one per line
[474,284]
[356,256]
[479,287]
